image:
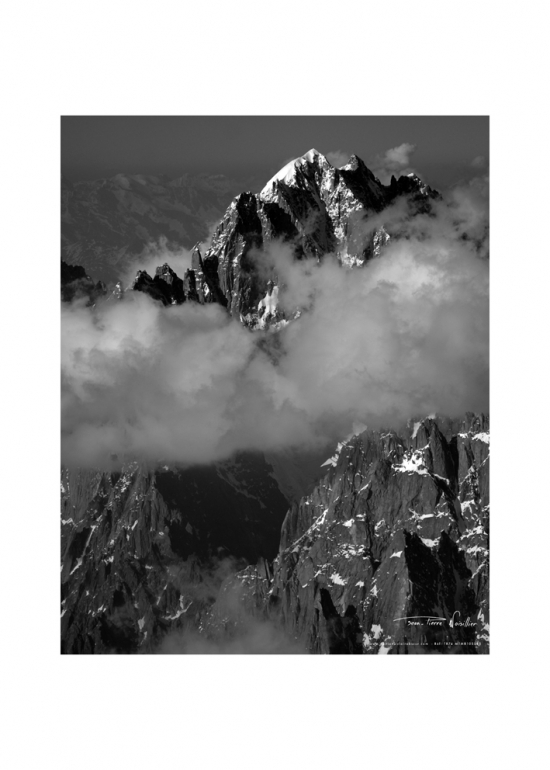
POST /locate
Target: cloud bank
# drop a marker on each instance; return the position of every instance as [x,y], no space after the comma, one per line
[408,334]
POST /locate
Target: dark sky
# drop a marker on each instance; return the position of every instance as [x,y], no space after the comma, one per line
[102,146]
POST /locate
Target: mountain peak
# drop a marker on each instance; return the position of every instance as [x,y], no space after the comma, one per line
[311,155]
[288,172]
[353,163]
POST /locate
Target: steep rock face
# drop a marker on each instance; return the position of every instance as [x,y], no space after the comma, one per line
[138,547]
[229,264]
[303,189]
[358,184]
[392,545]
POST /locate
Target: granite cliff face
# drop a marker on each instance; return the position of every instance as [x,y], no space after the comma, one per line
[387,552]
[396,537]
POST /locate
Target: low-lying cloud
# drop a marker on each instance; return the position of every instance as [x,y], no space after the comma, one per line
[407,334]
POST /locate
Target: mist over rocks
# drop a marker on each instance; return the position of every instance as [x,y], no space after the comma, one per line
[236,623]
[406,334]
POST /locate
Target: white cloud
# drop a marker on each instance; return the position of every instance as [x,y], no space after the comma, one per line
[399,156]
[479,161]
[338,158]
[394,161]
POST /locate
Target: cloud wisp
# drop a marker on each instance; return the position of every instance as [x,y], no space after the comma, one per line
[338,158]
[395,161]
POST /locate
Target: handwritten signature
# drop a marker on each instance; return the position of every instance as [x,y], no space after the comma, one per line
[435,620]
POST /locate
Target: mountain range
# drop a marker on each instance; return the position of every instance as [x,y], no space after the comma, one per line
[381,548]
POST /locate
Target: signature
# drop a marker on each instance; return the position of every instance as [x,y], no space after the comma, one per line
[435,620]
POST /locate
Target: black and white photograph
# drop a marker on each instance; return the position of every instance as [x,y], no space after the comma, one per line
[275,431]
[274,389]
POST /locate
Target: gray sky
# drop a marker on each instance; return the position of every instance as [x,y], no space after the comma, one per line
[101,146]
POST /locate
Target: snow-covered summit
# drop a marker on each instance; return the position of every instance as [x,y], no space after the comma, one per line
[312,155]
[288,173]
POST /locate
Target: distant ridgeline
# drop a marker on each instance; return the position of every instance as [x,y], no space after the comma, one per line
[106,223]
